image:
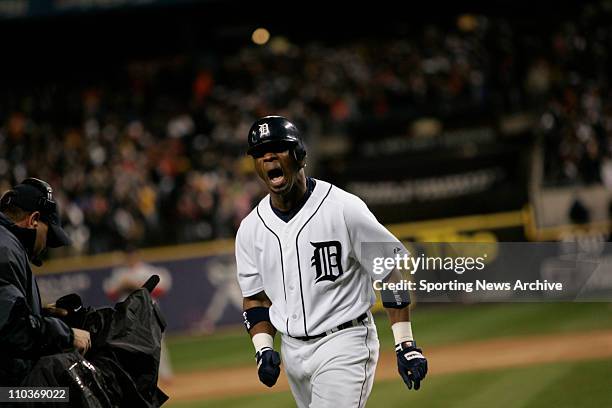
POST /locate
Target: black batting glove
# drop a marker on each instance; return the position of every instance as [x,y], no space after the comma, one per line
[268,366]
[411,364]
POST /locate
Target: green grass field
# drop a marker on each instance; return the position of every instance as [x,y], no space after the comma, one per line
[561,385]
[432,324]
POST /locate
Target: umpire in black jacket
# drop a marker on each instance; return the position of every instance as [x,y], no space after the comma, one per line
[29,223]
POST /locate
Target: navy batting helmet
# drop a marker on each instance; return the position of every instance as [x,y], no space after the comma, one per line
[275,129]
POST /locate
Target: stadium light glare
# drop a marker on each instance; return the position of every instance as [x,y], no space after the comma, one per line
[260,36]
[467,22]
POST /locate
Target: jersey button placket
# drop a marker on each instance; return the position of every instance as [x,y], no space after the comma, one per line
[290,286]
[292,276]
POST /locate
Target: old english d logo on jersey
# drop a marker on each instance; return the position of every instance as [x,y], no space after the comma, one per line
[326,259]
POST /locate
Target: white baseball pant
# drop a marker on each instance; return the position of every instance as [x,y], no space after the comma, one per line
[335,371]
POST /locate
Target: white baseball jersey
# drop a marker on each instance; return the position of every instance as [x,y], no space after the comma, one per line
[310,267]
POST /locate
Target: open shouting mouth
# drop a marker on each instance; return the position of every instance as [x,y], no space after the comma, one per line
[276,177]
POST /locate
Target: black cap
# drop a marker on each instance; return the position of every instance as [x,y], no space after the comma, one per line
[273,129]
[37,195]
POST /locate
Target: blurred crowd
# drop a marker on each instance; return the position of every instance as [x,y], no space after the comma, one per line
[573,73]
[153,153]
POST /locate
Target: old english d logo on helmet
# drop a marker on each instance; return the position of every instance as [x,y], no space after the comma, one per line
[274,129]
[264,130]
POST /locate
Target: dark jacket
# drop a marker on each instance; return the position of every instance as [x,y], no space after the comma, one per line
[25,334]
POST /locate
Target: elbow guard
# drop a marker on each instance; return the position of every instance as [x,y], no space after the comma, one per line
[395,299]
[254,315]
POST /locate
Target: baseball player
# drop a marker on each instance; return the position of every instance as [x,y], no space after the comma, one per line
[301,272]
